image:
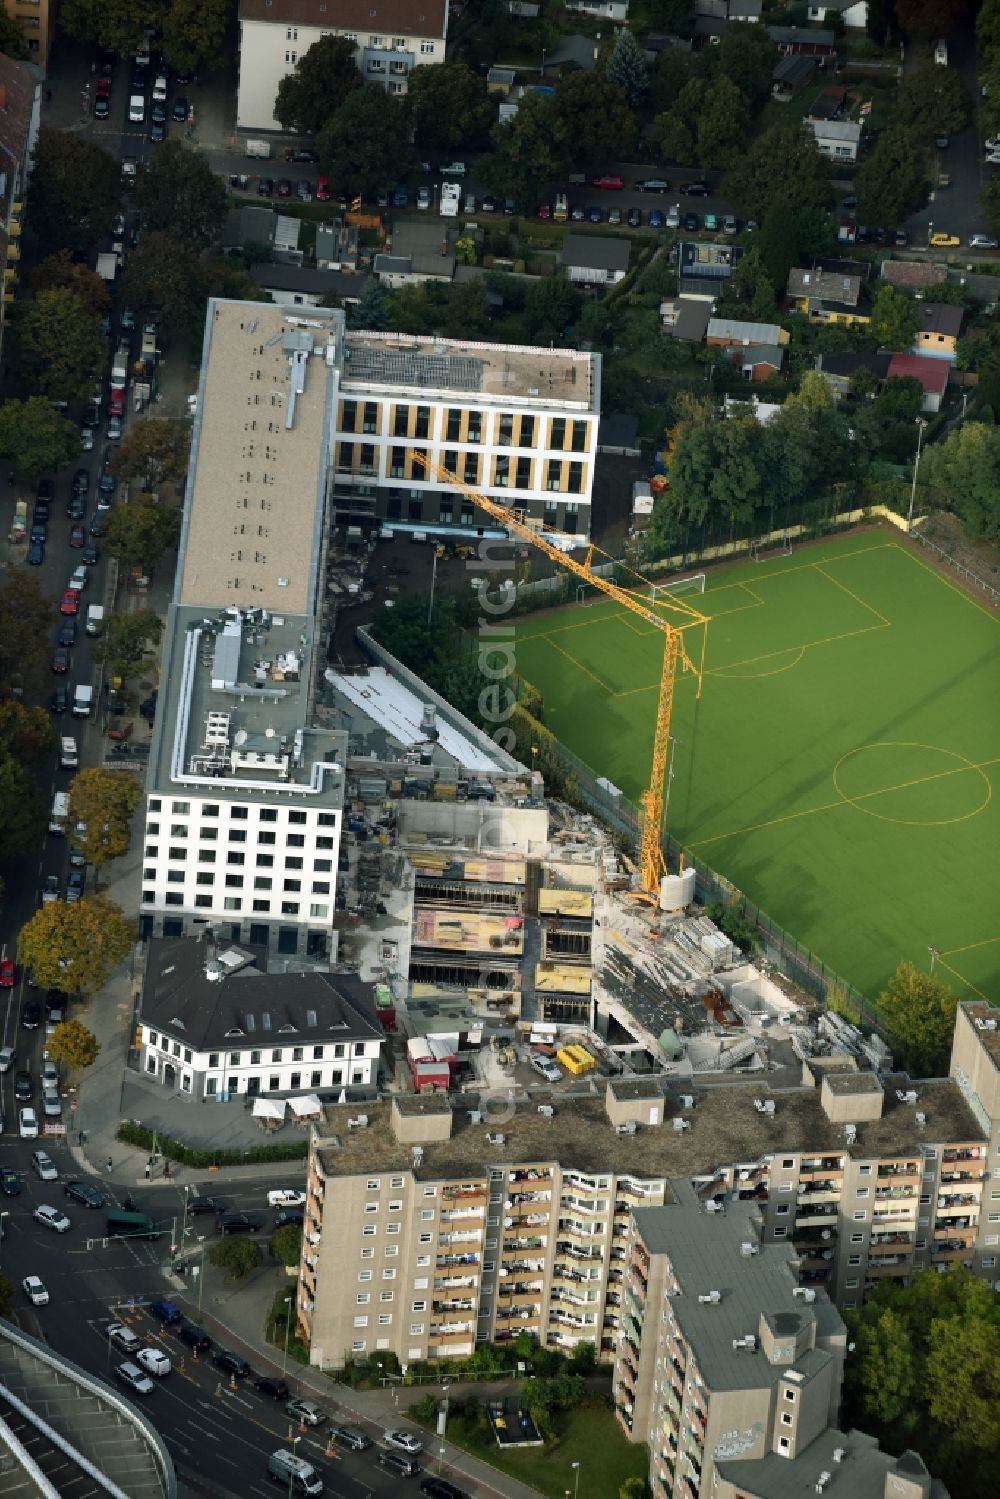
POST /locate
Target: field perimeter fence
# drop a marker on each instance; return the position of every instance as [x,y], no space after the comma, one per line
[797,962]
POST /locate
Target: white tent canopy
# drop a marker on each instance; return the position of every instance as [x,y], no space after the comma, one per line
[305,1107]
[269,1108]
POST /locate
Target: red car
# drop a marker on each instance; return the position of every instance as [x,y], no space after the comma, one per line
[103,88]
[70,602]
[283,187]
[614,184]
[116,402]
[77,535]
[322,193]
[544,211]
[8,973]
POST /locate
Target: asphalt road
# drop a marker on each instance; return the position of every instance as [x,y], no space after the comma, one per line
[223,1434]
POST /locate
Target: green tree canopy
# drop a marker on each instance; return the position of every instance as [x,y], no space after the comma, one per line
[365,147]
[962,474]
[595,117]
[236,1255]
[892,181]
[449,106]
[627,69]
[72,1044]
[12,42]
[128,639]
[22,808]
[285,1244]
[551,307]
[781,163]
[530,153]
[154,453]
[194,33]
[178,192]
[62,271]
[26,732]
[895,318]
[166,281]
[933,100]
[321,80]
[102,803]
[140,532]
[61,348]
[75,947]
[746,57]
[989,204]
[920,1012]
[111,23]
[26,615]
[926,20]
[74,191]
[707,124]
[36,437]
[901,399]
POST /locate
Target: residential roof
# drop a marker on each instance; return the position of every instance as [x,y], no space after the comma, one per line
[824,286]
[581,50]
[844,364]
[794,69]
[932,373]
[771,354]
[180,999]
[810,36]
[304,278]
[836,130]
[914,275]
[399,17]
[693,317]
[853,1453]
[392,706]
[736,330]
[941,317]
[592,252]
[828,103]
[618,430]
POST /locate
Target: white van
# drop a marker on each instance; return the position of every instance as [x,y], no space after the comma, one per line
[59,815]
[941,54]
[561,210]
[137,109]
[298,1476]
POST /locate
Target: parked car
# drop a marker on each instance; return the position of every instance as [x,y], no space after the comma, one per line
[711,222]
[275,1389]
[300,153]
[440,1488]
[982,242]
[351,1437]
[8,1056]
[27,1126]
[24,1086]
[653,185]
[306,1411]
[696,190]
[165,1312]
[489,204]
[942,240]
[36,553]
[285,1197]
[8,973]
[657,220]
[424,197]
[102,107]
[634,218]
[595,215]
[691,222]
[237,1223]
[322,190]
[44,1166]
[67,632]
[577,213]
[74,886]
[154,1361]
[674,217]
[123,1337]
[179,109]
[9,1184]
[31,1015]
[283,187]
[35,1290]
[194,1337]
[289,1215]
[304,190]
[137,1381]
[546,1067]
[399,1463]
[114,428]
[452,169]
[265,187]
[51,889]
[198,1205]
[231,1363]
[77,535]
[402,1441]
[729,224]
[610,182]
[614,216]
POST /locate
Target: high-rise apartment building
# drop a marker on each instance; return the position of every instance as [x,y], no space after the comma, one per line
[36,19]
[731,1371]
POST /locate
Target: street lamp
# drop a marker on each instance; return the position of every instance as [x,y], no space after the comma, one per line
[288,1325]
[291,1470]
[576,1479]
[921,424]
[2,1217]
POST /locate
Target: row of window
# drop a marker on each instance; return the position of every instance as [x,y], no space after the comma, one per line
[466,426]
[236,813]
[521,473]
[317,910]
[235,881]
[337,1050]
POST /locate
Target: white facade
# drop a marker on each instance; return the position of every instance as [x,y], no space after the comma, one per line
[237,861]
[837,139]
[273,1065]
[853,12]
[391,39]
[601,10]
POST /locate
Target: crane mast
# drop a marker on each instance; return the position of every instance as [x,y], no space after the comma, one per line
[651,861]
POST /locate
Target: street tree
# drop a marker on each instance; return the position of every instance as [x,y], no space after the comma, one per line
[920,1012]
[101,804]
[933,101]
[154,453]
[324,76]
[962,474]
[75,947]
[26,615]
[595,117]
[61,271]
[236,1255]
[22,808]
[110,23]
[194,33]
[926,20]
[166,281]
[128,639]
[781,163]
[746,57]
[715,117]
[989,204]
[365,147]
[893,181]
[140,532]
[36,438]
[627,68]
[12,42]
[285,1244]
[60,345]
[26,732]
[895,318]
[530,152]
[449,106]
[74,192]
[72,1044]
[988,32]
[178,192]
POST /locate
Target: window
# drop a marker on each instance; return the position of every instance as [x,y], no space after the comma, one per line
[557,438]
[784,1445]
[234,882]
[364,1275]
[368,1254]
[579,437]
[266,838]
[418,1306]
[392,1228]
[857,1238]
[423,1260]
[255,1059]
[421,1282]
[790,1396]
[860,1216]
[783,1208]
[202,879]
[388,1274]
[371,1207]
[361,1321]
[424,1239]
[416,1328]
[363,1298]
[183,809]
[358,1346]
[208,835]
[263,906]
[427,1215]
[862,1192]
[232,903]
[553,470]
[385,1319]
[854,1259]
[426,50]
[296,840]
[368,1230]
[430,1191]
[236,859]
[385,1296]
[787,1418]
[213,1059]
[261,881]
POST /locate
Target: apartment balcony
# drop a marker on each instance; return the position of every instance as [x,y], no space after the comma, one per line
[814,1217]
[570,1247]
[455,1215]
[574,1298]
[904,1193]
[947,1254]
[464,1194]
[524,1241]
[804,1237]
[530,1174]
[522,1202]
[891,1244]
[456,1282]
[448,1261]
[448,1331]
[816,1259]
[461,1236]
[822,1192]
[962,1155]
[454,1304]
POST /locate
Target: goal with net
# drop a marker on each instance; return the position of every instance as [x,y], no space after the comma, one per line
[694,584]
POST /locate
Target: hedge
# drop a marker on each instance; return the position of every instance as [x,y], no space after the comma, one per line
[131,1132]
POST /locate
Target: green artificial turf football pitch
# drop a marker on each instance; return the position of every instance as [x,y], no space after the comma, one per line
[838,767]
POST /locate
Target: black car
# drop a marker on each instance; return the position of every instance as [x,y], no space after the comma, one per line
[97,525]
[81,482]
[31,1016]
[9,1184]
[59,701]
[198,1205]
[74,892]
[76,507]
[634,217]
[276,1389]
[85,1194]
[399,1463]
[67,632]
[55,999]
[158,130]
[489,204]
[90,555]
[236,1223]
[440,1488]
[107,483]
[23,1087]
[301,153]
[179,110]
[42,510]
[45,491]
[194,1337]
[697,190]
[231,1363]
[102,108]
[265,187]
[290,1215]
[158,113]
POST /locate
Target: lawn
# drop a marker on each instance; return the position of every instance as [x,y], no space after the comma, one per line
[589,1435]
[838,767]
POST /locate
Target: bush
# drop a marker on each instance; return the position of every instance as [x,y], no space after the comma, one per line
[131,1132]
[237,1256]
[286,1244]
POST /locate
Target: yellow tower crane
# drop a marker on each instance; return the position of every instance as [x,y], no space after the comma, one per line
[651,862]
